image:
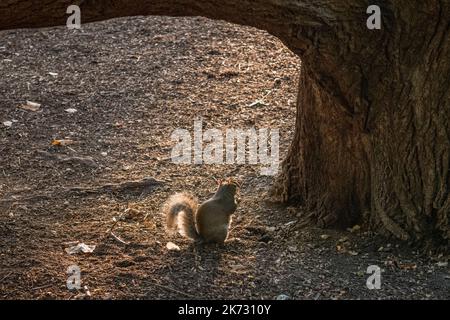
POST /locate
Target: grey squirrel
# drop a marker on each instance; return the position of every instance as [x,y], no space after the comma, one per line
[208,222]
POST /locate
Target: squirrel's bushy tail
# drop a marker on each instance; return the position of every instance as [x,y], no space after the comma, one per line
[180,210]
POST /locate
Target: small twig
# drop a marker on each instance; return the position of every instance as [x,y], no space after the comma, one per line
[42,287]
[125,186]
[118,239]
[26,199]
[116,221]
[71,149]
[1,280]
[171,289]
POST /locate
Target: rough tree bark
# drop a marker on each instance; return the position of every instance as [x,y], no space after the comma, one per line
[372,139]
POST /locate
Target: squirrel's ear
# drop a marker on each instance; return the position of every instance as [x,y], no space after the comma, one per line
[231,180]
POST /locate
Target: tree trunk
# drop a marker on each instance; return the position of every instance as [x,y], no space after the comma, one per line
[372,132]
[372,139]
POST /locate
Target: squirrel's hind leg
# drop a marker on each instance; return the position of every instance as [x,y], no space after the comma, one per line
[218,236]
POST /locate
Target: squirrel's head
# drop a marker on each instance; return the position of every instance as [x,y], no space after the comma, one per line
[229,185]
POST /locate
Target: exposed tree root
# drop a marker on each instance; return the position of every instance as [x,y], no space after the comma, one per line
[140,187]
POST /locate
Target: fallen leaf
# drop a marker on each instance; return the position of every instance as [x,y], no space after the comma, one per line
[62,142]
[7,124]
[80,247]
[355,228]
[172,246]
[407,266]
[324,236]
[238,268]
[71,110]
[31,106]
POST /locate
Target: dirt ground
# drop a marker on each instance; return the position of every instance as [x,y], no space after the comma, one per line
[132,82]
